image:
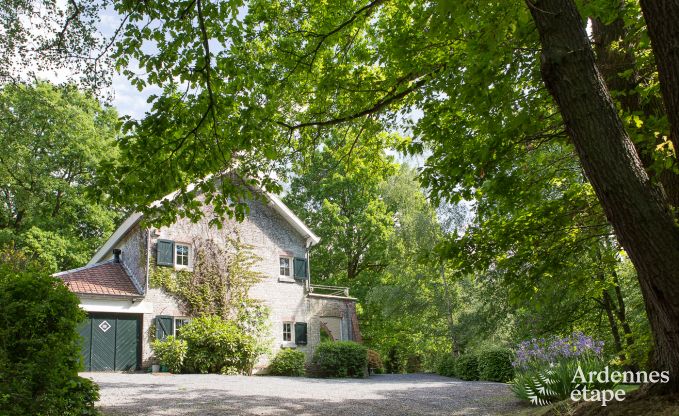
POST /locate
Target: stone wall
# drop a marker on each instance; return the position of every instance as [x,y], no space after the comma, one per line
[270,237]
[325,306]
[133,255]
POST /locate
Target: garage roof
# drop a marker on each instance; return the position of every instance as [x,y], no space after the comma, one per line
[107,278]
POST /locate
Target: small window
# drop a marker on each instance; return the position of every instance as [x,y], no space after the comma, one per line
[287,331]
[178,324]
[181,254]
[285,263]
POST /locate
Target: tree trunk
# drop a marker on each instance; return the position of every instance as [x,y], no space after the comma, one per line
[662,22]
[608,308]
[637,209]
[612,61]
[621,313]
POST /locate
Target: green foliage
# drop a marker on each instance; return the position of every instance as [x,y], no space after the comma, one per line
[447,366]
[219,285]
[341,359]
[467,366]
[554,382]
[54,139]
[396,360]
[215,345]
[40,37]
[495,364]
[346,210]
[39,343]
[375,361]
[170,352]
[288,362]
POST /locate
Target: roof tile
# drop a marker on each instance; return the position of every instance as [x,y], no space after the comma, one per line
[107,278]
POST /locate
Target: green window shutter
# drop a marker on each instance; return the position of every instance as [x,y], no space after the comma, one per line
[300,269]
[164,326]
[300,333]
[165,256]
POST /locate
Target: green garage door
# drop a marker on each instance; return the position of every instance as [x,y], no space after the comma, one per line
[111,342]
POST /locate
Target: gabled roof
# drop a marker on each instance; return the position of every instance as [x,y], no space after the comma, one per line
[274,202]
[108,278]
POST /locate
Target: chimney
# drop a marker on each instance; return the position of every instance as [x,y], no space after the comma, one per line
[116,255]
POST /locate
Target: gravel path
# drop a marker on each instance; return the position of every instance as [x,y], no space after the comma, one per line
[192,394]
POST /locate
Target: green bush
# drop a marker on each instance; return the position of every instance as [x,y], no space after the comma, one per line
[396,360]
[40,344]
[375,362]
[341,359]
[288,362]
[467,367]
[170,352]
[495,364]
[215,345]
[446,366]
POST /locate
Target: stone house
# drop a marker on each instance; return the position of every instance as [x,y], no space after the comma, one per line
[125,312]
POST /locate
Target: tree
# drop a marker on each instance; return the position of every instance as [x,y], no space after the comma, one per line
[637,208]
[53,141]
[43,36]
[470,67]
[338,195]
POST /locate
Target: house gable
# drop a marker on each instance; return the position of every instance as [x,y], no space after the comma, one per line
[273,201]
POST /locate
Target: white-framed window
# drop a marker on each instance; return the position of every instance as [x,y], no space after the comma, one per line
[285,266]
[181,254]
[178,324]
[287,331]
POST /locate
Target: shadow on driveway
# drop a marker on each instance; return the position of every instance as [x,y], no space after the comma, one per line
[190,394]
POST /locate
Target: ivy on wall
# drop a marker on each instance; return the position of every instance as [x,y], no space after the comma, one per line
[219,284]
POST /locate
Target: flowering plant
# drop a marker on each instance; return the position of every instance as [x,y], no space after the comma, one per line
[540,352]
[544,369]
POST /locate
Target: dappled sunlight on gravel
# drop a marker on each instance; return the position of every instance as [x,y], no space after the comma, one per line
[192,394]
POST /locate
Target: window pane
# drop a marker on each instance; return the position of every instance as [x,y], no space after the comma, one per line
[287,332]
[285,266]
[182,255]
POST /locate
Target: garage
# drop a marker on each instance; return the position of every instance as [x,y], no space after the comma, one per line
[111,342]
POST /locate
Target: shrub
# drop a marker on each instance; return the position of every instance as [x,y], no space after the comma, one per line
[446,366]
[341,359]
[215,345]
[288,362]
[375,361]
[170,352]
[495,364]
[414,364]
[40,348]
[396,362]
[467,367]
[545,368]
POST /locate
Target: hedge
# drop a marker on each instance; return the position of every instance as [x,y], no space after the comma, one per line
[446,366]
[288,362]
[375,361]
[495,364]
[467,367]
[40,348]
[341,359]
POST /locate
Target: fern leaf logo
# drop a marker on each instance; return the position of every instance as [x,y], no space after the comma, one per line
[541,393]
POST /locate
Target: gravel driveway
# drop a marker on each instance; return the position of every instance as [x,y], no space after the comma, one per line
[192,394]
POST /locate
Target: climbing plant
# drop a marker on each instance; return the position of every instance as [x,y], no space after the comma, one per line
[219,285]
